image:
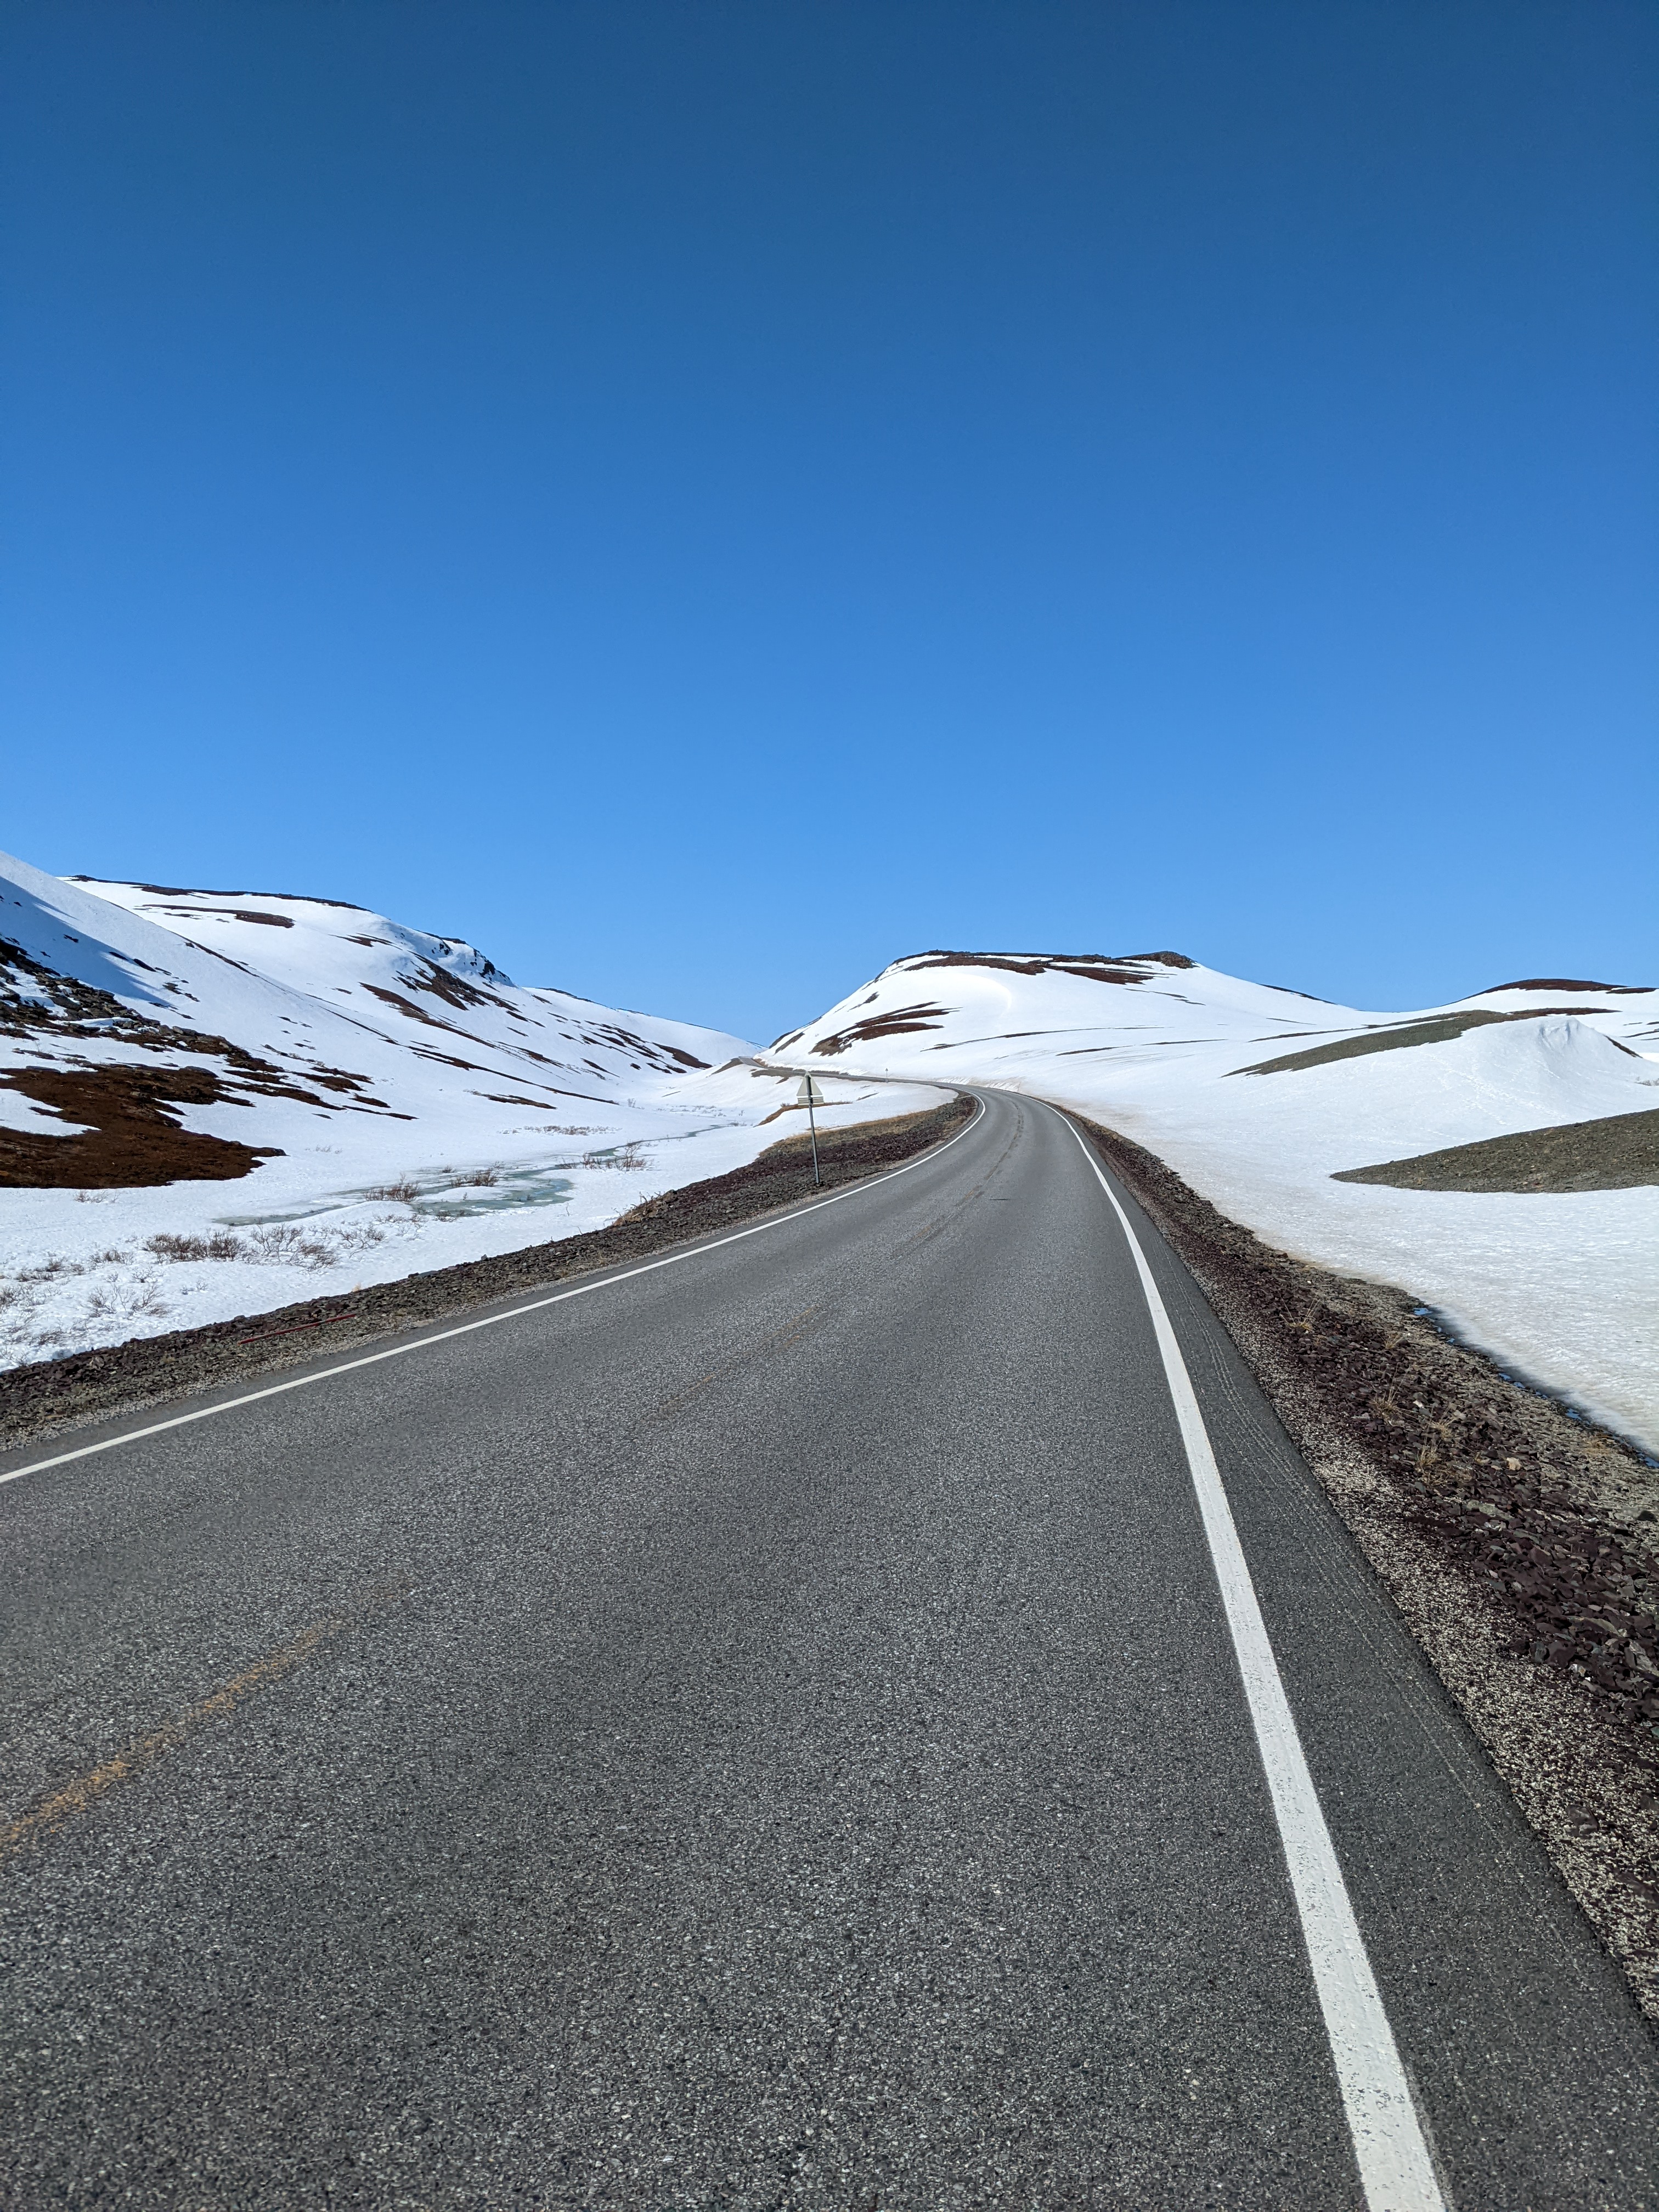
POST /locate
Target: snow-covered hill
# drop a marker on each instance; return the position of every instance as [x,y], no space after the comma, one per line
[214,1103]
[1261,1096]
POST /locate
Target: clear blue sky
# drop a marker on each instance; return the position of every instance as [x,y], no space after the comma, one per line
[706,498]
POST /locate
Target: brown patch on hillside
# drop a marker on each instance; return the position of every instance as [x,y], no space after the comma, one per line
[234,912]
[1443,1029]
[1088,967]
[453,990]
[608,1037]
[416,1013]
[1563,983]
[1619,1152]
[903,1021]
[129,1139]
[1520,1544]
[1033,966]
[63,1007]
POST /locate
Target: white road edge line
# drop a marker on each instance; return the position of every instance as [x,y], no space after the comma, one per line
[489,1321]
[1396,2170]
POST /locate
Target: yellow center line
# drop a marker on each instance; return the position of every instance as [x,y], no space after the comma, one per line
[52,1811]
[781,1339]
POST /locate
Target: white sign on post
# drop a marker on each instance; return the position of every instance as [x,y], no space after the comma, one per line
[810,1096]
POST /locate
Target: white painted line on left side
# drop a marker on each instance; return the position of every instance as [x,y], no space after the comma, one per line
[489,1320]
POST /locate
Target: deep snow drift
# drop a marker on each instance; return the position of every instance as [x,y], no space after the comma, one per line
[240,1100]
[1563,1286]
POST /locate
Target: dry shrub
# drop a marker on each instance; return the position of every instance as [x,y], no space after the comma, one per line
[283,1245]
[51,1266]
[142,1298]
[629,1159]
[219,1244]
[403,1192]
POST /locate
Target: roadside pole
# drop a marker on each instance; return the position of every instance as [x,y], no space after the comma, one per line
[809,1096]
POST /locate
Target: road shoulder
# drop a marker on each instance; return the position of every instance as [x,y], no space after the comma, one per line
[1519,1543]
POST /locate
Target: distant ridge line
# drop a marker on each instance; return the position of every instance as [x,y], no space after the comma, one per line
[1007,959]
[1562,983]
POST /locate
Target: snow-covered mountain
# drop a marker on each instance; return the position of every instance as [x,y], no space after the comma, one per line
[215,1102]
[1262,1097]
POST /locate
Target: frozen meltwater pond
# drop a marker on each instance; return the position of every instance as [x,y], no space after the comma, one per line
[439,1198]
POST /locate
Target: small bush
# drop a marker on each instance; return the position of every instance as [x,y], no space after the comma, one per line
[219,1245]
[403,1192]
[125,1302]
[51,1266]
[481,1179]
[283,1245]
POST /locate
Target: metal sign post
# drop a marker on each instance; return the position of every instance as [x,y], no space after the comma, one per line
[810,1096]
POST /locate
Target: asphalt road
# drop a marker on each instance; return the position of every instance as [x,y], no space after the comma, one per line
[763,1732]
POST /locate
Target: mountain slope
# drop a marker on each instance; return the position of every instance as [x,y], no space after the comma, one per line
[213,1102]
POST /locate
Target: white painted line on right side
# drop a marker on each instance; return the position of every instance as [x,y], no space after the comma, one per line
[1396,2170]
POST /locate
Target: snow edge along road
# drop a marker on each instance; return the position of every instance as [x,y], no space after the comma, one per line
[489,1320]
[1397,2167]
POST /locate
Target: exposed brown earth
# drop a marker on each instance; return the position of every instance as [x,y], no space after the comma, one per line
[1088,967]
[1620,1152]
[232,913]
[1520,1544]
[128,1137]
[902,1021]
[53,1394]
[1566,983]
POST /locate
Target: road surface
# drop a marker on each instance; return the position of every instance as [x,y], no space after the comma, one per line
[763,1731]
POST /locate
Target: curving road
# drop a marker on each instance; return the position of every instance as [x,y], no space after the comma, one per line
[766,1731]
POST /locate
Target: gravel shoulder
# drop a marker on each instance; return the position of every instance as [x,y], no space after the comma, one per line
[50,1396]
[1520,1543]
